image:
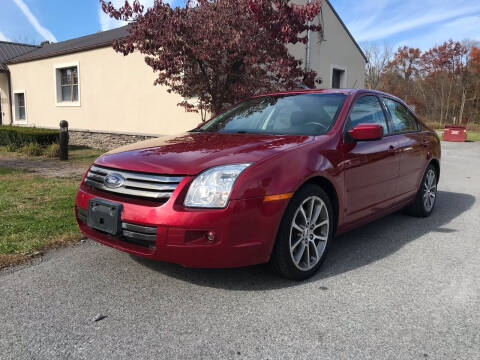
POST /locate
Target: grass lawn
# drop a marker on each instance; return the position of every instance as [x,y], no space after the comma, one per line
[35,213]
[473,135]
[83,154]
[76,154]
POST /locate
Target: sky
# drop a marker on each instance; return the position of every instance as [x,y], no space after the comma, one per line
[416,23]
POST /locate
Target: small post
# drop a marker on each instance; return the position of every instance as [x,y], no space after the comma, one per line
[63,140]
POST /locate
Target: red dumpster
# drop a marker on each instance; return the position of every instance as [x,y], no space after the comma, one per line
[455,133]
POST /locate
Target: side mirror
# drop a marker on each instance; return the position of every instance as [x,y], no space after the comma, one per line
[366,132]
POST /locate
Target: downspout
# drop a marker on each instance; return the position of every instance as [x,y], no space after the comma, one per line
[307,55]
[9,81]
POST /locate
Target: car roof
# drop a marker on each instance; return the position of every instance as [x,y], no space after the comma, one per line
[310,91]
[330,91]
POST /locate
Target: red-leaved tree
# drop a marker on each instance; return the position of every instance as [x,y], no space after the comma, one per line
[216,52]
[475,59]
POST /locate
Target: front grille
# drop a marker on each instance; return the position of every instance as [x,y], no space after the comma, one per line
[136,184]
[139,234]
[132,233]
[82,214]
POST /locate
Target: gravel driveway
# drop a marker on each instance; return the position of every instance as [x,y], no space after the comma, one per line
[399,288]
[43,167]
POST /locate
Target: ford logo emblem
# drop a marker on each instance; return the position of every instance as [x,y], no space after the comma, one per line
[113,181]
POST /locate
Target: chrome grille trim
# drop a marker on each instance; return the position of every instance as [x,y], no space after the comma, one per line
[140,235]
[139,228]
[136,184]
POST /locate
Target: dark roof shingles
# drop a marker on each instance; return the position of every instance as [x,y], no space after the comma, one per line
[99,39]
[10,50]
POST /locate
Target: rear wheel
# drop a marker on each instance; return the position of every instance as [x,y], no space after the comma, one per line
[304,235]
[427,194]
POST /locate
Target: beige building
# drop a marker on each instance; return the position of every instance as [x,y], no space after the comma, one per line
[9,51]
[334,54]
[85,82]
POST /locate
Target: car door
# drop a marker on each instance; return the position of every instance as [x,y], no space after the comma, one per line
[370,167]
[410,146]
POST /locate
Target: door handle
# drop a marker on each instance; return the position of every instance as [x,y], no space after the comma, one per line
[425,143]
[391,150]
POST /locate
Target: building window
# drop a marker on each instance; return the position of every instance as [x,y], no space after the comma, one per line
[67,85]
[20,109]
[338,78]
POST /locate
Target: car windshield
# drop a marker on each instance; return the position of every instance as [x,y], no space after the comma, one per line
[291,114]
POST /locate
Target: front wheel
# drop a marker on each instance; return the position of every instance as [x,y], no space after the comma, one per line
[427,194]
[304,234]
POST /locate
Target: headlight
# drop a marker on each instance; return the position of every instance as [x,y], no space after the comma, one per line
[212,188]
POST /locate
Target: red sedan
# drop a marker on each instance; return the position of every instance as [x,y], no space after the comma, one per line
[272,179]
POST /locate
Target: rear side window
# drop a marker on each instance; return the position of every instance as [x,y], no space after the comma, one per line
[402,119]
[367,110]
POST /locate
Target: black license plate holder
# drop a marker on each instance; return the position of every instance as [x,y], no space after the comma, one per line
[104,215]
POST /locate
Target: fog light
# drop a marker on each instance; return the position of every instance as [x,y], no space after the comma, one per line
[211,236]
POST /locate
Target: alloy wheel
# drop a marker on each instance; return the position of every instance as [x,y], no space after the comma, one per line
[309,232]
[429,190]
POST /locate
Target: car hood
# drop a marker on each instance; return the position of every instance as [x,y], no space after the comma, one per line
[191,153]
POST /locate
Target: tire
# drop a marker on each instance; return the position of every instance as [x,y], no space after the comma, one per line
[294,256]
[426,195]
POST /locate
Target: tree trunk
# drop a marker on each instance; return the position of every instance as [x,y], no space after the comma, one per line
[441,104]
[448,100]
[473,112]
[203,112]
[462,106]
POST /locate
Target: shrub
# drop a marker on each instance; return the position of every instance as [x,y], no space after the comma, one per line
[52,151]
[32,149]
[11,147]
[20,136]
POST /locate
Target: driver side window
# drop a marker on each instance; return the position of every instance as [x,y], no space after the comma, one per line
[367,110]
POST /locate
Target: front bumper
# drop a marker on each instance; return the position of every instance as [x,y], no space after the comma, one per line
[244,232]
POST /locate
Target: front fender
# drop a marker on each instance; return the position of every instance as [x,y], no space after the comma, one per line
[289,170]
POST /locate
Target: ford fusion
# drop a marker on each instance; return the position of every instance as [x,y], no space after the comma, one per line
[273,179]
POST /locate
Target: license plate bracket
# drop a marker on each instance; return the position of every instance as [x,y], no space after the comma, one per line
[105,216]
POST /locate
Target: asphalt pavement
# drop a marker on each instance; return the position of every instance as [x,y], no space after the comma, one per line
[398,288]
